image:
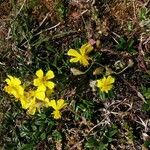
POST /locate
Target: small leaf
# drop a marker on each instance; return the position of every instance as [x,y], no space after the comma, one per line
[23,134]
[93,85]
[34,128]
[108,71]
[76,72]
[43,136]
[27,146]
[98,71]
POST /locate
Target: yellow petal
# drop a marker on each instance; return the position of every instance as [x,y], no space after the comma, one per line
[82,51]
[37,82]
[49,75]
[84,61]
[46,102]
[40,94]
[6,88]
[25,103]
[106,88]
[10,77]
[86,48]
[42,87]
[7,81]
[20,88]
[53,104]
[39,73]
[32,106]
[60,104]
[73,52]
[57,114]
[16,81]
[50,84]
[14,93]
[100,82]
[110,79]
[74,60]
[13,80]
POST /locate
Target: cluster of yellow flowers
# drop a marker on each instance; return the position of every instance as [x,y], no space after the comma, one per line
[36,97]
[106,83]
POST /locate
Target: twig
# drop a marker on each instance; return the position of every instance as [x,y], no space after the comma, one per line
[134,10]
[64,34]
[53,27]
[43,31]
[21,8]
[74,146]
[84,12]
[43,20]
[126,55]
[131,63]
[96,126]
[140,58]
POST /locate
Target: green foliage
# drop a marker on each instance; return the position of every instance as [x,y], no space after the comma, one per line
[95,144]
[62,9]
[144,13]
[102,142]
[22,25]
[110,133]
[56,135]
[144,18]
[146,106]
[146,93]
[105,96]
[125,45]
[26,133]
[129,133]
[29,38]
[147,144]
[85,107]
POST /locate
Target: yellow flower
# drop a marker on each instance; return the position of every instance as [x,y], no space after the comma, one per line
[34,100]
[81,56]
[37,105]
[14,87]
[43,81]
[105,84]
[57,107]
[27,98]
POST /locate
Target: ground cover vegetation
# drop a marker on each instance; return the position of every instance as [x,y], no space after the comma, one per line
[75,74]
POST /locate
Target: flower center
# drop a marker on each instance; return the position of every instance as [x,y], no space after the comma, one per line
[43,80]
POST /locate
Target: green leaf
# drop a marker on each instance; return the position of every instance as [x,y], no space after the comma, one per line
[27,147]
[147,144]
[23,134]
[56,135]
[94,144]
[43,136]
